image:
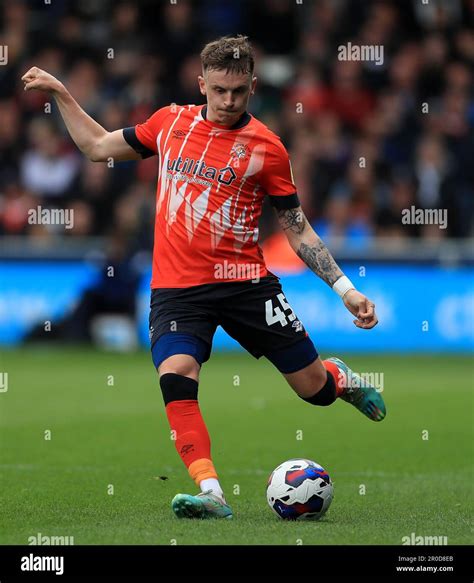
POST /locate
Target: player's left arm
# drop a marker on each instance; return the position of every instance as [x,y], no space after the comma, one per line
[311,249]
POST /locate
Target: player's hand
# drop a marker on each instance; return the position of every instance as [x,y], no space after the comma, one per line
[36,78]
[362,307]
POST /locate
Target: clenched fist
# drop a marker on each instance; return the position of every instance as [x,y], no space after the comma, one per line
[36,78]
[362,308]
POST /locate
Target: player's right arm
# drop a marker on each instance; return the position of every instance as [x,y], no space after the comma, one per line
[310,248]
[276,178]
[90,137]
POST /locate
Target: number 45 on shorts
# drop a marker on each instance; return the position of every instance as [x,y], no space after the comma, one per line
[283,314]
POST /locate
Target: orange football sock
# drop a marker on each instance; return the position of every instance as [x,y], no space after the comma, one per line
[192,440]
[338,377]
[202,469]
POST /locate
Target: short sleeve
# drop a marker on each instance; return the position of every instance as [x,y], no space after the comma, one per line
[142,137]
[276,177]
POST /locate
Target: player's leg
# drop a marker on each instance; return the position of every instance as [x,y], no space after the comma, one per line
[322,382]
[179,381]
[178,357]
[312,381]
[182,364]
[265,324]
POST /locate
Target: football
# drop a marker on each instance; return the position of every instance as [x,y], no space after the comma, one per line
[299,489]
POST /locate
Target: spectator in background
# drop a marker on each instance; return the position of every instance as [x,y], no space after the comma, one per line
[11,144]
[431,168]
[347,97]
[47,168]
[15,202]
[402,196]
[329,112]
[343,224]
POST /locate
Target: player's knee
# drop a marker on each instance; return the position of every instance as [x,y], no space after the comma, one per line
[308,381]
[319,376]
[180,364]
[176,387]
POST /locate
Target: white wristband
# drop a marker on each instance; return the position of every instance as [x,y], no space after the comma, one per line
[342,286]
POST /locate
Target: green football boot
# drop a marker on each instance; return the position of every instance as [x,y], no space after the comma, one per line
[360,393]
[203,505]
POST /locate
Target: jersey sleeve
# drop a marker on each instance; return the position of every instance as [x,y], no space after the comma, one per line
[276,178]
[142,137]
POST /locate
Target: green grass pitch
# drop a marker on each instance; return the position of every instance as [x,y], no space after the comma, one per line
[105,435]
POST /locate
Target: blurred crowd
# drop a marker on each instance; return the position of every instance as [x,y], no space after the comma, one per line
[366,140]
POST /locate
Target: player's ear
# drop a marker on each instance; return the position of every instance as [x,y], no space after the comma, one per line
[202,84]
[254,84]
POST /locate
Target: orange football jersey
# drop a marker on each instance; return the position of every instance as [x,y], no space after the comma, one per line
[212,181]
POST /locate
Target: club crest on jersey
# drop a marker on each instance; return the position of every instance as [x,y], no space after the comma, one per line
[239,151]
[199,169]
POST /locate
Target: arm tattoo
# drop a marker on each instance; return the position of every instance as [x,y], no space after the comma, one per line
[313,252]
[293,220]
[318,258]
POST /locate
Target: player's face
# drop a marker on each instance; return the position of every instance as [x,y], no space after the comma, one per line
[227,94]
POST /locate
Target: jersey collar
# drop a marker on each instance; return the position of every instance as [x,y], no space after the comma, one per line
[243,120]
